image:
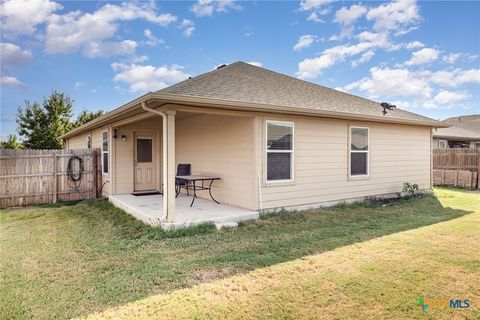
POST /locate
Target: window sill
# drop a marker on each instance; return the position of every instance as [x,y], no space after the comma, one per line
[362,177]
[279,183]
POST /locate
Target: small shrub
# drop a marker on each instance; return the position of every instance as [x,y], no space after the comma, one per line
[410,188]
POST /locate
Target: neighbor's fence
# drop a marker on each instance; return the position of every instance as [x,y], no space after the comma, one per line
[456,167]
[30,177]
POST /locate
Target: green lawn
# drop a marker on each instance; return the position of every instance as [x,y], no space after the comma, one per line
[66,261]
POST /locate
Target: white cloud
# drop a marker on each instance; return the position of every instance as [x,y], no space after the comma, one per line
[107,49]
[11,81]
[79,84]
[188,27]
[313,4]
[414,45]
[255,63]
[394,15]
[13,55]
[448,97]
[346,17]
[312,67]
[304,42]
[425,55]
[393,82]
[451,58]
[142,78]
[314,17]
[364,58]
[21,17]
[248,34]
[455,78]
[90,32]
[138,59]
[152,40]
[204,8]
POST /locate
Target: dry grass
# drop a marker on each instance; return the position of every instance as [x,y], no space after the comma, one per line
[377,279]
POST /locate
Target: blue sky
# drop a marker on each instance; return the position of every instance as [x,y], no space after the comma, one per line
[422,56]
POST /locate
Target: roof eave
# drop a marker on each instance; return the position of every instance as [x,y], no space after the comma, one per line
[239,105]
[247,106]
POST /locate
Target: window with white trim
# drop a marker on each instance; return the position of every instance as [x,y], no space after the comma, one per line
[279,151]
[89,141]
[105,154]
[359,151]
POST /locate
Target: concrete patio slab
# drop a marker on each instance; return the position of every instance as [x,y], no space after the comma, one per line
[149,209]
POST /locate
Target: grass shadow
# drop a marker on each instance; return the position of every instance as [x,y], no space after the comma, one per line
[103,257]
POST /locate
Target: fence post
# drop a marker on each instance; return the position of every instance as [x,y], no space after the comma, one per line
[478,169]
[95,173]
[54,177]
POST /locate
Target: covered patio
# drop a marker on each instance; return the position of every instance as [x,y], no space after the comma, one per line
[150,209]
[148,148]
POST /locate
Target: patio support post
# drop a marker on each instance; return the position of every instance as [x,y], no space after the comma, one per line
[170,162]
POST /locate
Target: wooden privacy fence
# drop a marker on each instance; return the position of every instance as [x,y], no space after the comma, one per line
[456,167]
[30,177]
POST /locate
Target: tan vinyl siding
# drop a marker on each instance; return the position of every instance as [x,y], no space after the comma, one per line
[398,153]
[223,146]
[80,142]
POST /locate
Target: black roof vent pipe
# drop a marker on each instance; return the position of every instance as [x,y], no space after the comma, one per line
[387,106]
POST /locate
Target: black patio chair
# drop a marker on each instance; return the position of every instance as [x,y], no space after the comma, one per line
[183,169]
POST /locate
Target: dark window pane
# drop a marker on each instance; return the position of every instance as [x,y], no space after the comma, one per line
[358,163]
[144,150]
[278,166]
[105,163]
[89,142]
[279,136]
[359,139]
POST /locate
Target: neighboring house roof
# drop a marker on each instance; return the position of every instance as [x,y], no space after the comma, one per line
[243,86]
[462,127]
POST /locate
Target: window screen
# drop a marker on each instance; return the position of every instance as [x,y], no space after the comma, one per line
[279,150]
[144,150]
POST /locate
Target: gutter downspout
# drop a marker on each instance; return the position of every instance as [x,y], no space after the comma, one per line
[165,158]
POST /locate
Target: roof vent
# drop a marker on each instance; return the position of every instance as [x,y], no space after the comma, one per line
[221,66]
[387,106]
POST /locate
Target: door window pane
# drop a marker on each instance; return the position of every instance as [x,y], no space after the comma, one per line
[105,162]
[144,150]
[279,166]
[358,164]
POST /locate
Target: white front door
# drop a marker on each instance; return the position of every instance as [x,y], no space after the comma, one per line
[145,172]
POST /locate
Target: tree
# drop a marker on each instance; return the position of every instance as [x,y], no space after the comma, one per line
[42,125]
[86,116]
[11,143]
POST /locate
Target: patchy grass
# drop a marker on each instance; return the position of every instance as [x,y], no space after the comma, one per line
[75,260]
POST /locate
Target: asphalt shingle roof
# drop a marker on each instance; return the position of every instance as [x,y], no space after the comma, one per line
[462,127]
[243,82]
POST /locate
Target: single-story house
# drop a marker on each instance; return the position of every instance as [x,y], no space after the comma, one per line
[463,132]
[273,140]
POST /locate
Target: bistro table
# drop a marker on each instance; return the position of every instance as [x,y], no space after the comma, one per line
[191,184]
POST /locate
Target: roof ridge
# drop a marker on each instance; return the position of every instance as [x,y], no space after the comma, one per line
[200,76]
